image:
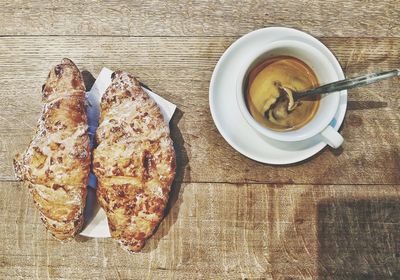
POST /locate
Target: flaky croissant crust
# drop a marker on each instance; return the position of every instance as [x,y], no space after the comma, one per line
[134,161]
[56,164]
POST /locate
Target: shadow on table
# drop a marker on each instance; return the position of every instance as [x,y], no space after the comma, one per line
[88,79]
[359,239]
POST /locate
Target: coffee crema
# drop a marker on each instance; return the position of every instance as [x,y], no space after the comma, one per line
[291,73]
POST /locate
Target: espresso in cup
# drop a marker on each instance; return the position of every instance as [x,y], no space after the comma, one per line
[307,67]
[268,106]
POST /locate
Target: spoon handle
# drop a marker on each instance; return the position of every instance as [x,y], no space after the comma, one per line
[349,83]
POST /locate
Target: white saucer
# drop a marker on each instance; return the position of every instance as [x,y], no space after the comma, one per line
[225,112]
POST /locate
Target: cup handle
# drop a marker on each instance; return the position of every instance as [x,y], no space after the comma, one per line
[331,137]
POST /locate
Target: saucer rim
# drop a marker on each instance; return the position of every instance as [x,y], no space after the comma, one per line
[313,149]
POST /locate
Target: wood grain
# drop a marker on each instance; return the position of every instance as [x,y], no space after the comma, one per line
[198,18]
[223,231]
[334,216]
[179,69]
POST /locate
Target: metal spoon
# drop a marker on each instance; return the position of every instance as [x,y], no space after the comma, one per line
[294,96]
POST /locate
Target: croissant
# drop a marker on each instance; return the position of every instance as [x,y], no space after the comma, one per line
[56,164]
[134,161]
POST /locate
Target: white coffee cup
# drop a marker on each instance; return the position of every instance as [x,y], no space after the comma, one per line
[329,103]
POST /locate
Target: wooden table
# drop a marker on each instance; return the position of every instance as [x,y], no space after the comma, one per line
[336,215]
